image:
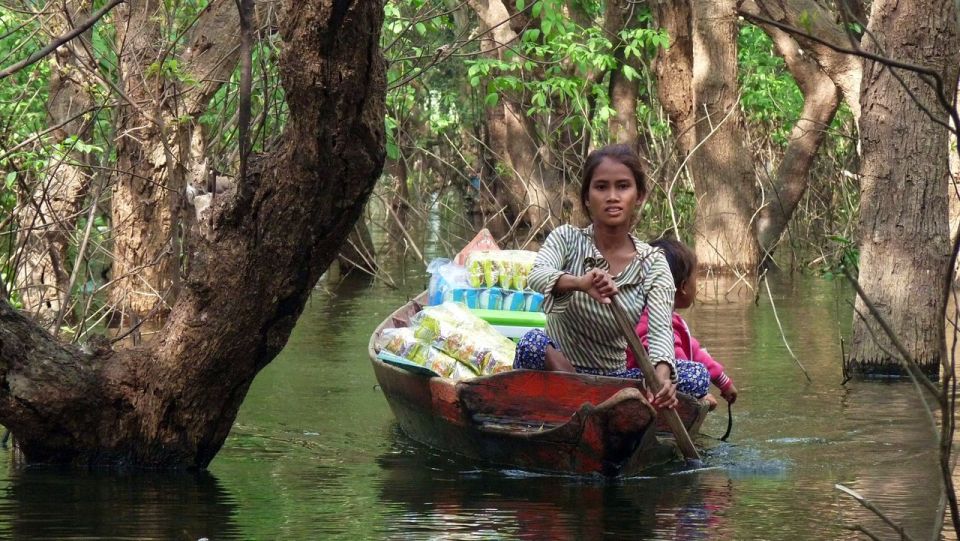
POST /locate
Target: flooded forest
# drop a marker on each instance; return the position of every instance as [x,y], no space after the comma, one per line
[207,207]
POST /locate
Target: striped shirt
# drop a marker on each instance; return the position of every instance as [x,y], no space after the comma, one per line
[584,329]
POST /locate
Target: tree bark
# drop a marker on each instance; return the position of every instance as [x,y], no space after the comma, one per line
[820,104]
[48,216]
[158,154]
[172,403]
[723,176]
[620,15]
[674,70]
[904,236]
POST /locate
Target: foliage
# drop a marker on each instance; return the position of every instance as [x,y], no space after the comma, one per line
[769,96]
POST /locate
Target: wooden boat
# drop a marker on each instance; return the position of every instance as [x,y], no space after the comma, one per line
[532,420]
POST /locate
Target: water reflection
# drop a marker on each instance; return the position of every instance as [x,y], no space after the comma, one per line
[50,503]
[434,494]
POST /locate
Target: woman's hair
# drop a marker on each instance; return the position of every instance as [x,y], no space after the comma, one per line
[618,153]
[682,260]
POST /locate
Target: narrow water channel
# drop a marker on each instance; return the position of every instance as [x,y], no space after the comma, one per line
[316,454]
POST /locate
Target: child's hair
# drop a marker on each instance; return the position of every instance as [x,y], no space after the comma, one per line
[682,260]
[618,153]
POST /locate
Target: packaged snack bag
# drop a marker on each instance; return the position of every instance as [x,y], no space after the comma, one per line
[482,269]
[507,269]
[439,362]
[397,341]
[452,328]
[534,300]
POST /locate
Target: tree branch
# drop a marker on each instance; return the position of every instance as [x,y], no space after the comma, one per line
[52,46]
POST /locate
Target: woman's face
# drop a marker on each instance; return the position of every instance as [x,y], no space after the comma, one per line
[613,196]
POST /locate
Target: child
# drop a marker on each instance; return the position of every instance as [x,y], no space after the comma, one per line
[683,267]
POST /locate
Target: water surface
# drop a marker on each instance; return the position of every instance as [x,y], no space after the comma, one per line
[315,452]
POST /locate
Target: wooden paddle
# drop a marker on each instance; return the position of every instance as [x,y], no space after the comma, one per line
[652,381]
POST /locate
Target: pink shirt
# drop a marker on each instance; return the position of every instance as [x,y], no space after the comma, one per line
[685,347]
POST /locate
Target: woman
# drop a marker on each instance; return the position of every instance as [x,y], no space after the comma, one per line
[579,270]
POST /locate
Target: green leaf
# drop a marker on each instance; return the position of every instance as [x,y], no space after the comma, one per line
[630,73]
[491,99]
[475,81]
[421,29]
[535,10]
[520,5]
[11,179]
[393,151]
[547,27]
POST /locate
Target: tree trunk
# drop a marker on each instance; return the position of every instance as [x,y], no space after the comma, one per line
[621,15]
[722,172]
[820,104]
[904,238]
[49,216]
[158,153]
[532,187]
[172,403]
[674,70]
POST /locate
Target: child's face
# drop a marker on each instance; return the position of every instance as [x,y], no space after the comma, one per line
[686,293]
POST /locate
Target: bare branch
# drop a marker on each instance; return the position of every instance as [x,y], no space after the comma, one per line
[52,46]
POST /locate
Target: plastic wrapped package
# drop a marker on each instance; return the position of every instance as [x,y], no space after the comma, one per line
[452,328]
[454,341]
[480,269]
[445,276]
[490,298]
[507,269]
[515,301]
[499,367]
[501,359]
[533,301]
[398,341]
[439,362]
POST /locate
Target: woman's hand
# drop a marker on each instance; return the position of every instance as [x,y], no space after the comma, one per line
[667,397]
[598,284]
[730,395]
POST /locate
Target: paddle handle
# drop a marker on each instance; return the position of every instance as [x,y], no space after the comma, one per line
[652,381]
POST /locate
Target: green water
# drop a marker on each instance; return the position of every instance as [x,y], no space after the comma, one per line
[315,452]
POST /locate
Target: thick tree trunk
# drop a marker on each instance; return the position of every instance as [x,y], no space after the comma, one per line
[150,180]
[821,101]
[259,255]
[674,70]
[904,238]
[49,215]
[532,186]
[158,153]
[723,174]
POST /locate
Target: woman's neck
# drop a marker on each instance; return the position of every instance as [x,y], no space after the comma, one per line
[611,238]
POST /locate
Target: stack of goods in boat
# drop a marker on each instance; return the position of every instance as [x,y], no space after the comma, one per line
[488,280]
[450,341]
